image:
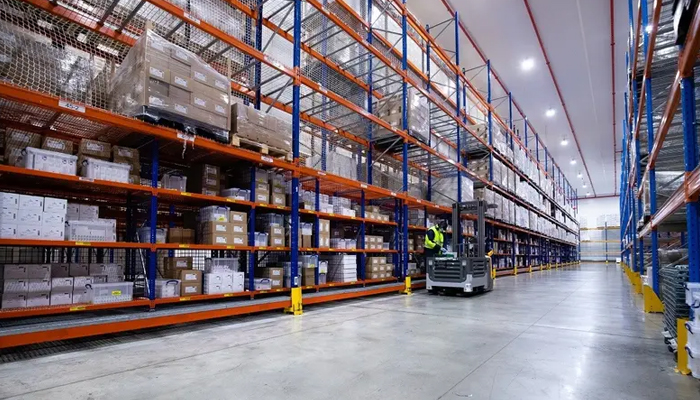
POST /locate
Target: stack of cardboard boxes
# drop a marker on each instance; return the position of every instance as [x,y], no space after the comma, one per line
[160,80]
[222,276]
[83,224]
[324,233]
[93,162]
[378,268]
[274,274]
[277,189]
[375,213]
[180,268]
[180,235]
[32,217]
[220,226]
[262,188]
[260,127]
[374,242]
[126,155]
[205,179]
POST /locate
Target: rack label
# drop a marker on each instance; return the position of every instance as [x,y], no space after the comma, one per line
[77,308]
[267,159]
[363,186]
[185,193]
[228,294]
[84,179]
[183,246]
[116,292]
[82,243]
[71,106]
[185,137]
[184,299]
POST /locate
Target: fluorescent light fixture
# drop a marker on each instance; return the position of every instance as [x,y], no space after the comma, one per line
[580,175]
[588,194]
[550,113]
[527,64]
[648,28]
[573,162]
[564,141]
[584,185]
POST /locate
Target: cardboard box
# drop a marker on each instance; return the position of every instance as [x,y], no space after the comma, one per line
[190,288]
[189,276]
[9,200]
[237,217]
[211,228]
[240,229]
[62,282]
[14,300]
[308,276]
[61,297]
[88,212]
[270,272]
[15,285]
[94,148]
[307,241]
[324,226]
[204,176]
[28,231]
[39,271]
[27,202]
[55,205]
[177,263]
[56,144]
[60,270]
[278,199]
[8,230]
[238,239]
[78,269]
[217,239]
[277,240]
[14,271]
[275,230]
[181,235]
[38,299]
[262,196]
[28,216]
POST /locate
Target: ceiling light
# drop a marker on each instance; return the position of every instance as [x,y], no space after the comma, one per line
[527,64]
[580,175]
[584,185]
[588,194]
[550,113]
[648,28]
[573,162]
[564,141]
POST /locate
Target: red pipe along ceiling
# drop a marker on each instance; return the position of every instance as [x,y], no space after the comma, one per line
[450,9]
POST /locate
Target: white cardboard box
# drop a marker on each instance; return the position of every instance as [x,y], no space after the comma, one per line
[81,295]
[73,211]
[28,231]
[79,282]
[27,202]
[39,285]
[61,297]
[8,215]
[218,278]
[238,282]
[29,216]
[53,231]
[39,271]
[9,200]
[14,300]
[8,231]
[14,271]
[62,282]
[53,217]
[55,205]
[15,286]
[88,212]
[78,269]
[38,299]
[60,270]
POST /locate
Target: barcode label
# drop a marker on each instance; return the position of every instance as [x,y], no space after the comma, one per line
[71,106]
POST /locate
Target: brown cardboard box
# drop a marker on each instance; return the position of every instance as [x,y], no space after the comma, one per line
[278,199]
[324,226]
[211,228]
[204,176]
[308,276]
[180,55]
[240,229]
[262,187]
[324,241]
[275,230]
[270,272]
[94,148]
[217,239]
[181,235]
[210,118]
[277,240]
[56,144]
[177,262]
[307,241]
[220,97]
[22,139]
[190,288]
[238,218]
[262,196]
[239,239]
[125,155]
[190,276]
[181,81]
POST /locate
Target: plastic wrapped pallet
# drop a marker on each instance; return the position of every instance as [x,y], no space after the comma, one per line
[161,81]
[391,110]
[260,127]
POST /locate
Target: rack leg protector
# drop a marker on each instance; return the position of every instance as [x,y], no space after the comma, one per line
[652,303]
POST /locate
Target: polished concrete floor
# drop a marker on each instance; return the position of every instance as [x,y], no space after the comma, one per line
[567,334]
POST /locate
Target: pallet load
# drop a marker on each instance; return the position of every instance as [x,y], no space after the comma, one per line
[390,110]
[258,129]
[342,268]
[166,84]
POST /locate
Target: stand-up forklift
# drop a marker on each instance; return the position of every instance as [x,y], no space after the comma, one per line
[468,268]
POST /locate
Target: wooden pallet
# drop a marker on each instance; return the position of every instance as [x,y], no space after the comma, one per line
[260,147]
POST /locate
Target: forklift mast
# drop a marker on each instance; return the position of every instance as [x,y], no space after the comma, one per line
[477,207]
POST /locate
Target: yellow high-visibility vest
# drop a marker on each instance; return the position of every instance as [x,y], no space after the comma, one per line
[429,244]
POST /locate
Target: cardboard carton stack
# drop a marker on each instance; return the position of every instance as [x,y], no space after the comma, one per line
[21,149]
[341,268]
[221,275]
[274,274]
[390,110]
[324,233]
[83,224]
[160,80]
[277,189]
[36,285]
[220,226]
[126,155]
[375,213]
[260,127]
[378,268]
[180,268]
[181,235]
[273,225]
[205,179]
[32,217]
[262,188]
[373,242]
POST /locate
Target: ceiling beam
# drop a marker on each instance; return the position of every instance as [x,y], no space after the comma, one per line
[612,73]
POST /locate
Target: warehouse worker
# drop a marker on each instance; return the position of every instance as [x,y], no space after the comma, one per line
[434,240]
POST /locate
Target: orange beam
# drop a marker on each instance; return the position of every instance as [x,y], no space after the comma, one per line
[53,310]
[115,327]
[351,295]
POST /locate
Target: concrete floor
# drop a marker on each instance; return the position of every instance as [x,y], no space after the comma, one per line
[571,334]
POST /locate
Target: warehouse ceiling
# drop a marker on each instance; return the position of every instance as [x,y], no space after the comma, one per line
[576,36]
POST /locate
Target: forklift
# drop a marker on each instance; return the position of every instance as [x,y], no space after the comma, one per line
[467,269]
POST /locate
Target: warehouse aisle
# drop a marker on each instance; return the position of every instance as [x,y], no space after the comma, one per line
[572,334]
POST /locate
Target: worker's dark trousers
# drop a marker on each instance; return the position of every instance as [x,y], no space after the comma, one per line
[427,253]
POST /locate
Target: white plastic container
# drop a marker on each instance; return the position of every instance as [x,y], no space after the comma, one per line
[214,214]
[175,182]
[145,235]
[50,161]
[691,289]
[94,168]
[221,264]
[91,231]
[261,239]
[111,292]
[167,288]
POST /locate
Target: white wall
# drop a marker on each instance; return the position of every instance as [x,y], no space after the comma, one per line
[591,211]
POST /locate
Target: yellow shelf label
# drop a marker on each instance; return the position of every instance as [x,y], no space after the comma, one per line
[116,292]
[82,244]
[262,291]
[184,246]
[262,247]
[228,294]
[77,308]
[186,194]
[184,299]
[331,284]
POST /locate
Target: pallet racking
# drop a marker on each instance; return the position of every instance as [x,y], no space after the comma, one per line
[323,64]
[667,147]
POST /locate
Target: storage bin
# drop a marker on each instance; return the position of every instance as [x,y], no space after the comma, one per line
[213,214]
[261,239]
[221,264]
[145,234]
[94,168]
[50,161]
[175,182]
[91,231]
[111,292]
[691,289]
[167,288]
